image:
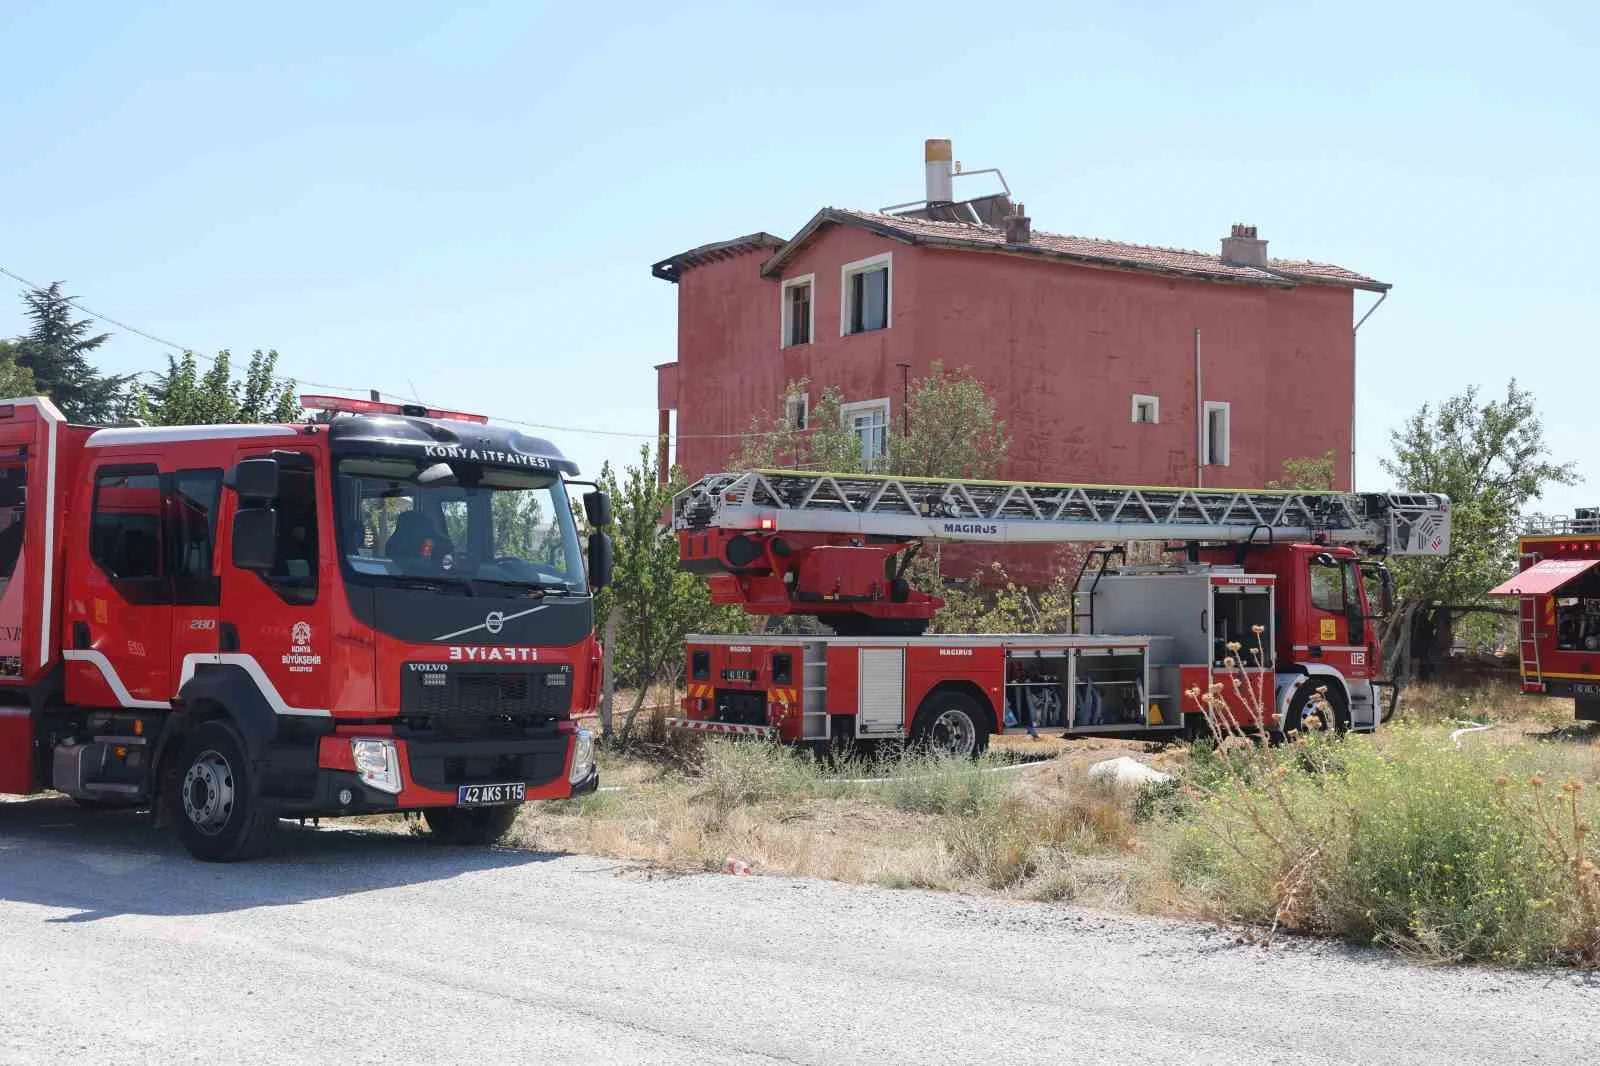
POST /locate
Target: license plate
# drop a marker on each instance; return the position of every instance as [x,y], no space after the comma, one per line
[491,795]
[738,675]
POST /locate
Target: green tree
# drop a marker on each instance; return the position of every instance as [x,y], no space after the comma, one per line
[56,350]
[949,429]
[823,442]
[1306,473]
[15,380]
[1491,459]
[650,604]
[184,396]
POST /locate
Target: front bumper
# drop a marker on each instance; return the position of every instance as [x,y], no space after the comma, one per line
[431,771]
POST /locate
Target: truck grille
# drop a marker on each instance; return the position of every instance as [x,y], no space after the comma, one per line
[741,706]
[484,692]
[457,752]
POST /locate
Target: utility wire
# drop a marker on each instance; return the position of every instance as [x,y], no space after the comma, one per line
[399,397]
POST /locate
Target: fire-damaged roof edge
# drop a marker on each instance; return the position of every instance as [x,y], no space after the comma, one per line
[1115,255]
[672,267]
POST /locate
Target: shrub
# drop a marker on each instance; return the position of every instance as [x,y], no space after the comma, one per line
[993,848]
[1435,850]
[739,773]
[1161,801]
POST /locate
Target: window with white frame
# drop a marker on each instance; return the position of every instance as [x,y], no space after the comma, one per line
[869,421]
[797,410]
[1146,409]
[865,293]
[799,318]
[1218,428]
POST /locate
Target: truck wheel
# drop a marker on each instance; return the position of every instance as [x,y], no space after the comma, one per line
[216,802]
[1300,708]
[481,827]
[951,725]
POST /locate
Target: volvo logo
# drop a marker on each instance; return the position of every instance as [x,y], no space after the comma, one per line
[493,623]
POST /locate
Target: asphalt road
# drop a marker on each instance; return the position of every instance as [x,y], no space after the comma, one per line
[356,947]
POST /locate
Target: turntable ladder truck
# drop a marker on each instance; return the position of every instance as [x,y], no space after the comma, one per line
[1270,585]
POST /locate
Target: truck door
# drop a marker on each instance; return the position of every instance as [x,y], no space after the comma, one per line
[1337,633]
[126,621]
[192,500]
[272,622]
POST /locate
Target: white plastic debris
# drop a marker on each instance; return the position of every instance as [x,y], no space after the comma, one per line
[1125,772]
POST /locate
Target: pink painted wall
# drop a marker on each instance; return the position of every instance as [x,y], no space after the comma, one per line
[1062,348]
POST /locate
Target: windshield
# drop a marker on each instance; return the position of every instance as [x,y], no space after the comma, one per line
[457,523]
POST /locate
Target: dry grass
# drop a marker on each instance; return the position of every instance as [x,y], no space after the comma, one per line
[1413,837]
[1035,832]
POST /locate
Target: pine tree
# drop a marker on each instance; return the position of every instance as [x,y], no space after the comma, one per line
[56,352]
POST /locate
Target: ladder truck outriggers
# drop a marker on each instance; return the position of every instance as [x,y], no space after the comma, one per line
[1557,588]
[1270,584]
[386,609]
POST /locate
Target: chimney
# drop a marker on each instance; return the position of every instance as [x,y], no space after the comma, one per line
[1243,247]
[1019,227]
[936,156]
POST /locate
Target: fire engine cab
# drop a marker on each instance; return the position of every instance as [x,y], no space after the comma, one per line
[383,609]
[1269,588]
[1557,589]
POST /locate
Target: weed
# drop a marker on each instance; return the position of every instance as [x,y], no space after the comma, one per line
[1160,801]
[939,786]
[743,773]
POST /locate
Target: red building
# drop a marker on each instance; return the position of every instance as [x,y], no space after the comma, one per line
[1109,362]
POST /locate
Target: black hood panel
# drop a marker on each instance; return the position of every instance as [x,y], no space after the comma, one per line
[423,616]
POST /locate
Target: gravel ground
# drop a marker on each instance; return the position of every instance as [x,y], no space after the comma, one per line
[376,948]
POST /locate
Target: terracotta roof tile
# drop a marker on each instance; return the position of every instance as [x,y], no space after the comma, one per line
[1088,250]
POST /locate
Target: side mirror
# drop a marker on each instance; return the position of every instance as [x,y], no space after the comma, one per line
[599,560]
[597,508]
[1385,605]
[255,538]
[254,479]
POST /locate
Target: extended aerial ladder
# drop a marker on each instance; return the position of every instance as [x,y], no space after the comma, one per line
[1279,572]
[825,544]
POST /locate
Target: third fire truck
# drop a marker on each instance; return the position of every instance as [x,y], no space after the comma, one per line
[1557,588]
[1276,582]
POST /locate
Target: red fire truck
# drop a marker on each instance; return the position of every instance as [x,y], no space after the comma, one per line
[1558,593]
[384,609]
[1275,581]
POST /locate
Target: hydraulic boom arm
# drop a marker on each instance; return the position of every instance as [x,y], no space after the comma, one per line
[797,542]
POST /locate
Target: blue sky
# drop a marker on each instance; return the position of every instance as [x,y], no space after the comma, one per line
[463,200]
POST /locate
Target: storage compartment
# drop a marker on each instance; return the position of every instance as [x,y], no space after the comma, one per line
[1036,686]
[1236,611]
[882,691]
[1108,688]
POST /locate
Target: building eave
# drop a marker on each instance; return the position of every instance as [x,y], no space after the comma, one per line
[672,268]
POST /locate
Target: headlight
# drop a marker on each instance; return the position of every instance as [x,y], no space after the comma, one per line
[377,763]
[582,757]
